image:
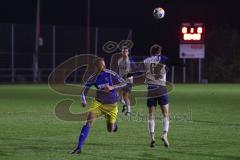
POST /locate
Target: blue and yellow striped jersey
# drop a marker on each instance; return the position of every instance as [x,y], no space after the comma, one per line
[100,81]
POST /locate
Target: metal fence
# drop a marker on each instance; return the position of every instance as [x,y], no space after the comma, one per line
[58,43]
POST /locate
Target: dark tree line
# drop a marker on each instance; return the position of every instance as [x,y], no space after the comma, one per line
[222,61]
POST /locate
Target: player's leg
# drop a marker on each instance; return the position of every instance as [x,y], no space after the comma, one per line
[84,133]
[120,93]
[163,102]
[92,115]
[151,103]
[126,92]
[127,103]
[165,121]
[111,112]
[165,113]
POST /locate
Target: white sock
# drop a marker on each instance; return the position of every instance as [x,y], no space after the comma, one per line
[127,102]
[128,108]
[151,127]
[165,125]
[122,101]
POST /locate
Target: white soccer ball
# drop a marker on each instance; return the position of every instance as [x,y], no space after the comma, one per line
[158,13]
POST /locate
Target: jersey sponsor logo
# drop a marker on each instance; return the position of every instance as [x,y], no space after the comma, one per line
[101,86]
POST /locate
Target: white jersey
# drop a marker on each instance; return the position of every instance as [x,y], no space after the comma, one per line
[155,71]
[124,66]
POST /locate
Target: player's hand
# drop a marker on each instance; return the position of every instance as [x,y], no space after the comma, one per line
[108,88]
[84,104]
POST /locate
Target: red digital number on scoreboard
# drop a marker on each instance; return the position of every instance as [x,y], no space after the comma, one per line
[192,33]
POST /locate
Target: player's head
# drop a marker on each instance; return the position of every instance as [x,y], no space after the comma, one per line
[99,64]
[156,50]
[125,51]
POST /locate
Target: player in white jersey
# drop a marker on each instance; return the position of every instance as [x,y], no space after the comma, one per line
[124,68]
[155,66]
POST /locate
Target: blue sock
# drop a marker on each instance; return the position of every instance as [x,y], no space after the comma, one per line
[115,127]
[83,135]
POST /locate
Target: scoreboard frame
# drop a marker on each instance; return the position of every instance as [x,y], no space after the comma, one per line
[192,33]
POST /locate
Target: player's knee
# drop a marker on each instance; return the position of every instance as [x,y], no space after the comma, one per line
[165,110]
[125,98]
[151,111]
[165,114]
[91,118]
[151,116]
[90,123]
[125,95]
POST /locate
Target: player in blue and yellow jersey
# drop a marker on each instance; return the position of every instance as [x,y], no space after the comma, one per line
[105,102]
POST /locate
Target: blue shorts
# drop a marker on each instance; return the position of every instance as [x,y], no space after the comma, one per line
[157,95]
[127,88]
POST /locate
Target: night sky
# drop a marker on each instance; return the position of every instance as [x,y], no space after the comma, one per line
[135,14]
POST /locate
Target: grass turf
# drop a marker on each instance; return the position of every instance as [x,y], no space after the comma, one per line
[205,124]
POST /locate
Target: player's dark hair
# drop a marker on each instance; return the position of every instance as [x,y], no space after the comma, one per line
[155,49]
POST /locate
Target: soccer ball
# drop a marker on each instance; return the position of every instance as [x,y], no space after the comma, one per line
[158,13]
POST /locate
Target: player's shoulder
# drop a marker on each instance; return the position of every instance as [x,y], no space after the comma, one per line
[149,59]
[164,59]
[146,59]
[108,71]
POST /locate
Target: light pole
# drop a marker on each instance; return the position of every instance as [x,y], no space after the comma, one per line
[35,54]
[88,26]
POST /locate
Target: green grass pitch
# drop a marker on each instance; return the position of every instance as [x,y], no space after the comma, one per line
[205,124]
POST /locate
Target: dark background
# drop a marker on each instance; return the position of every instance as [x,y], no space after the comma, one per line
[135,14]
[220,18]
